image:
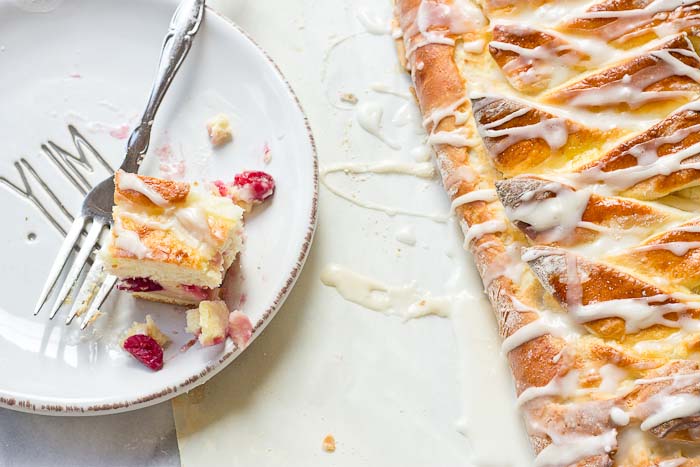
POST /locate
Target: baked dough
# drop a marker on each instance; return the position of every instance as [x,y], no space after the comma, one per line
[171,241]
[567,133]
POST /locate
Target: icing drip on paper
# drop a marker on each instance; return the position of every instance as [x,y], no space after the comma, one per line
[416,169]
[407,301]
[369,116]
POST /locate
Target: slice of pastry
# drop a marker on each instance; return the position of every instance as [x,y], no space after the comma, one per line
[171,241]
[576,186]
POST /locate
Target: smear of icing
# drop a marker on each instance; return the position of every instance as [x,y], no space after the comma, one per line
[373,22]
[369,116]
[406,235]
[383,88]
[172,166]
[407,301]
[483,424]
[416,169]
[422,153]
[115,130]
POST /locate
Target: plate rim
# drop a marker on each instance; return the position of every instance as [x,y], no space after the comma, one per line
[47,406]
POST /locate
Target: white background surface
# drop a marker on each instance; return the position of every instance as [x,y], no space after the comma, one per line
[390,392]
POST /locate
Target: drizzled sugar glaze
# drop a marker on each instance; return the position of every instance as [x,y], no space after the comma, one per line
[610,89]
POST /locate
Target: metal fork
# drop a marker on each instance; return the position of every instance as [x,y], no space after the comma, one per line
[97,206]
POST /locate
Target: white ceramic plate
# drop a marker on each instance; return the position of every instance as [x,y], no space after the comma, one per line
[89,64]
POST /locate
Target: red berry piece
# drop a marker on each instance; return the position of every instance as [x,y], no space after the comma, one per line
[221,186]
[200,293]
[258,185]
[139,284]
[146,350]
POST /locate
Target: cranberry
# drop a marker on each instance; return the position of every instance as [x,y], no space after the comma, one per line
[221,186]
[201,293]
[259,185]
[146,350]
[139,284]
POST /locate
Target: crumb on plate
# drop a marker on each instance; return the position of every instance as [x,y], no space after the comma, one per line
[219,130]
[329,443]
[349,97]
[148,328]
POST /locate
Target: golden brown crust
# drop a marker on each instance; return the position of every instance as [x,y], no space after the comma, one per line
[519,296]
[531,152]
[439,84]
[585,92]
[602,211]
[673,134]
[632,29]
[171,191]
[527,64]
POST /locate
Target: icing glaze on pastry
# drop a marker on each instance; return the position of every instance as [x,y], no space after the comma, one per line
[564,145]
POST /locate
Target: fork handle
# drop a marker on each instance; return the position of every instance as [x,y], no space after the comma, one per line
[183,26]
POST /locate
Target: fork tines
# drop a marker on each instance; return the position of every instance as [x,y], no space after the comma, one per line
[86,297]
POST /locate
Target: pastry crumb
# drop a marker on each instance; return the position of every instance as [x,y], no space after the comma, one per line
[349,97]
[209,322]
[329,443]
[219,130]
[148,328]
[267,154]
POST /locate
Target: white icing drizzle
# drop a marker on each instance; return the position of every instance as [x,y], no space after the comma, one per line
[622,179]
[559,386]
[659,345]
[406,235]
[568,450]
[455,138]
[550,60]
[554,131]
[677,248]
[612,376]
[487,227]
[129,181]
[373,22]
[548,322]
[383,88]
[557,216]
[630,89]
[673,462]
[195,221]
[369,116]
[415,169]
[627,22]
[404,114]
[668,403]
[638,313]
[435,21]
[450,110]
[406,301]
[506,264]
[421,153]
[128,240]
[619,417]
[473,47]
[488,195]
[671,407]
